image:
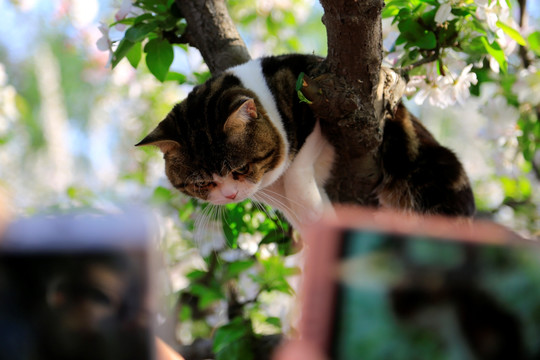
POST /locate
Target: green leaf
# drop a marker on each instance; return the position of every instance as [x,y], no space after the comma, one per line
[461,12]
[185,211]
[389,11]
[275,321]
[513,33]
[162,195]
[428,18]
[176,76]
[495,50]
[274,236]
[448,37]
[207,294]
[195,274]
[475,46]
[302,98]
[534,42]
[273,277]
[202,77]
[300,81]
[237,267]
[516,188]
[230,230]
[161,8]
[403,14]
[159,57]
[233,340]
[143,17]
[417,35]
[134,54]
[427,41]
[123,48]
[125,21]
[139,31]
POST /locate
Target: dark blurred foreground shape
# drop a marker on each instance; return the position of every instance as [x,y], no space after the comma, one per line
[76,287]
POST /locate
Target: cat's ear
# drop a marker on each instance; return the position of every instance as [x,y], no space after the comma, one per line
[160,137]
[237,121]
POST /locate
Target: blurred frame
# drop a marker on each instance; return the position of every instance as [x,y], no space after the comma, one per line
[326,245]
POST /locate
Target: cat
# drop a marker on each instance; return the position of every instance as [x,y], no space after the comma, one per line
[245,134]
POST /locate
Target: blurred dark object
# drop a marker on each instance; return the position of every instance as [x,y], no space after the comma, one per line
[76,287]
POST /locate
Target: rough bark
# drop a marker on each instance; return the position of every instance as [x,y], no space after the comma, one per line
[211,30]
[349,85]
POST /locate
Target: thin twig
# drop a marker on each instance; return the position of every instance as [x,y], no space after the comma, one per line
[405,70]
[522,19]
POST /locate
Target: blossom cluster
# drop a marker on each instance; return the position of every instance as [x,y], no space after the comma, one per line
[442,90]
[451,84]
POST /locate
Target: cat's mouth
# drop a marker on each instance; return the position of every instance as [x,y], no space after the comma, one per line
[228,200]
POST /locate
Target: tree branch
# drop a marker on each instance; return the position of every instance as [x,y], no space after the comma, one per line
[211,30]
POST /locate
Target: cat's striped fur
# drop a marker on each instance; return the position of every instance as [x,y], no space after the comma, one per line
[418,173]
[244,134]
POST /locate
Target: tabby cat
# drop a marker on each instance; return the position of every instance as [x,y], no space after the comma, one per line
[244,134]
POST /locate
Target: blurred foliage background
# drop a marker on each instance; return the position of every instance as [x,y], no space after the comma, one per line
[68,123]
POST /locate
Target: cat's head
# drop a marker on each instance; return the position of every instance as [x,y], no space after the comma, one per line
[219,144]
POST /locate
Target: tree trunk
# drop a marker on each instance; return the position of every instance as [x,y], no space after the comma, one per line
[349,82]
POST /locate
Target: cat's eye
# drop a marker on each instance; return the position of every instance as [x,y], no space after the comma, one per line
[242,170]
[203,184]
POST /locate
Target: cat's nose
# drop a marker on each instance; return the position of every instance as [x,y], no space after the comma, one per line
[232,196]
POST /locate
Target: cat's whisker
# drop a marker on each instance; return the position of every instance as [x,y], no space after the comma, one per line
[270,213]
[273,193]
[268,198]
[283,201]
[202,222]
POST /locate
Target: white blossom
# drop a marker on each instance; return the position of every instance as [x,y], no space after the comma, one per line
[492,11]
[208,235]
[248,288]
[219,314]
[231,255]
[435,91]
[460,88]
[444,12]
[502,120]
[527,86]
[507,159]
[127,8]
[249,243]
[391,59]
[414,83]
[104,43]
[442,90]
[8,108]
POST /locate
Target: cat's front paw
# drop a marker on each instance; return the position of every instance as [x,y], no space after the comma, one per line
[315,213]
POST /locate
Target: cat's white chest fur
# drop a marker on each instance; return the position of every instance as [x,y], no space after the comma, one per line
[294,187]
[299,191]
